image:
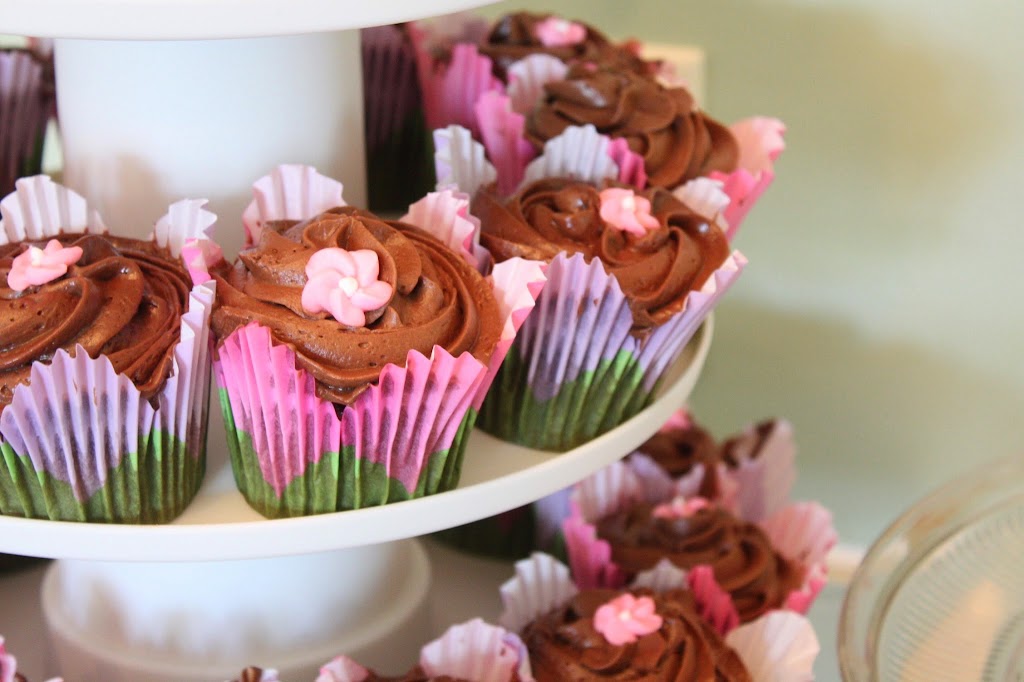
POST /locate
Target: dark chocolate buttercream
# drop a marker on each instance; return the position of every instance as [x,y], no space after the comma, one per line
[677,140]
[743,560]
[514,37]
[655,271]
[438,300]
[565,646]
[123,300]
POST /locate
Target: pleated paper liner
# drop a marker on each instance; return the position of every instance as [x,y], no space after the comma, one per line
[575,370]
[26,105]
[509,535]
[404,436]
[79,443]
[474,650]
[399,167]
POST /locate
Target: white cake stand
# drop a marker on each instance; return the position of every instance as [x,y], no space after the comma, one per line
[164,99]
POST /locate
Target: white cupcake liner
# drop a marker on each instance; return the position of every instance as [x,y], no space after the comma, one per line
[77,419]
[527,77]
[663,577]
[780,646]
[445,214]
[461,161]
[289,192]
[579,152]
[541,583]
[342,669]
[705,197]
[764,480]
[606,491]
[655,482]
[476,651]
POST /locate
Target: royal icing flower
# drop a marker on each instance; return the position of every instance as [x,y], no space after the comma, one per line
[344,284]
[556,32]
[680,508]
[625,618]
[38,266]
[624,210]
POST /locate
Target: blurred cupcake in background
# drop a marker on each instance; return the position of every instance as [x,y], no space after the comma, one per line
[27,103]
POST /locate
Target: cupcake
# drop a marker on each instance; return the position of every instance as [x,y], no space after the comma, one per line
[473,651]
[353,352]
[254,674]
[27,98]
[631,277]
[103,386]
[657,629]
[614,534]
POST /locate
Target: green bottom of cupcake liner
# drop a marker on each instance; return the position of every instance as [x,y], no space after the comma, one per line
[338,481]
[152,487]
[595,402]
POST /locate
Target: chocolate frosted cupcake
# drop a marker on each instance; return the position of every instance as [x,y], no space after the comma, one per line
[254,674]
[739,553]
[354,352]
[669,640]
[678,142]
[522,34]
[104,374]
[663,627]
[632,275]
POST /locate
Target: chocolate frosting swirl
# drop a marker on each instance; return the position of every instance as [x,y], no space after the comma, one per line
[438,300]
[514,37]
[250,674]
[564,645]
[655,271]
[739,553]
[676,139]
[123,300]
[747,446]
[417,675]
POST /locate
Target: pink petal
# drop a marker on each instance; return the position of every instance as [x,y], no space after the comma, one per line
[317,291]
[331,259]
[373,296]
[367,266]
[343,310]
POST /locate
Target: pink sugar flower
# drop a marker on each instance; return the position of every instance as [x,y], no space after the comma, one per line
[38,266]
[680,508]
[556,32]
[344,284]
[626,617]
[622,209]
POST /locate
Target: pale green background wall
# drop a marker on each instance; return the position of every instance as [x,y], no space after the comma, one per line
[881,310]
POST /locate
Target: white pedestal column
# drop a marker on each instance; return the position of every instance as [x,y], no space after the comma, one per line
[145,123]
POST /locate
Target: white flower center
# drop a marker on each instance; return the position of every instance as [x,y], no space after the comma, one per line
[562,26]
[629,204]
[35,255]
[625,615]
[349,285]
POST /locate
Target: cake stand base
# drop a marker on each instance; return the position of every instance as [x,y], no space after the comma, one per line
[206,621]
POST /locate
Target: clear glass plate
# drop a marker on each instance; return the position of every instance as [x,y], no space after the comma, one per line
[940,595]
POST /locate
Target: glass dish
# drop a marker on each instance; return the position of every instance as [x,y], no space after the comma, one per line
[940,595]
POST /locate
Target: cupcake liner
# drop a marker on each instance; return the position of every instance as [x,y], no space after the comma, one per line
[780,645]
[445,214]
[802,533]
[764,479]
[8,663]
[549,512]
[509,535]
[715,604]
[26,105]
[79,442]
[579,152]
[342,669]
[452,90]
[461,161]
[40,208]
[630,164]
[289,192]
[403,437]
[663,577]
[760,142]
[540,584]
[706,197]
[476,651]
[576,371]
[502,132]
[527,77]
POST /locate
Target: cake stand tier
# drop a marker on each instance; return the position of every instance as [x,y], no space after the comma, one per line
[219,525]
[201,19]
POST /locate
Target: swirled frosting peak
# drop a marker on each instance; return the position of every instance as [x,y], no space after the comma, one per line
[663,124]
[740,554]
[437,299]
[564,644]
[521,34]
[120,298]
[656,269]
